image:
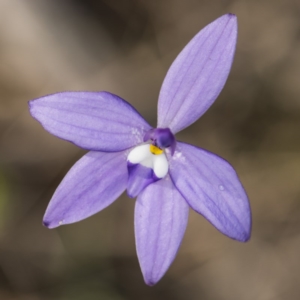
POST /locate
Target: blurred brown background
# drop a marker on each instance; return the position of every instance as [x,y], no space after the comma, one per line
[126,47]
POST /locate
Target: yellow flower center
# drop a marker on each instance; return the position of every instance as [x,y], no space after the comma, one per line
[155,150]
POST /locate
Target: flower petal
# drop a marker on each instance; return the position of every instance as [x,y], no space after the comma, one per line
[91,120]
[92,184]
[139,178]
[161,216]
[197,75]
[211,187]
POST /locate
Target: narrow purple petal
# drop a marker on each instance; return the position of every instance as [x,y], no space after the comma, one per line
[92,184]
[161,216]
[212,188]
[91,120]
[197,75]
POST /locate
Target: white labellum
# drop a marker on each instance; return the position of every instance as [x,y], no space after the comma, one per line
[142,155]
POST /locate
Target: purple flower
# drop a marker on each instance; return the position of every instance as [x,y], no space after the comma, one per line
[165,175]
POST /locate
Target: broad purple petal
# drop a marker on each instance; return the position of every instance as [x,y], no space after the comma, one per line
[197,75]
[91,120]
[92,184]
[161,216]
[212,188]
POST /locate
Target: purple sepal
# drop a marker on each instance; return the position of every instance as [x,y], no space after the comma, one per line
[138,178]
[198,74]
[98,121]
[160,220]
[92,184]
[162,138]
[212,188]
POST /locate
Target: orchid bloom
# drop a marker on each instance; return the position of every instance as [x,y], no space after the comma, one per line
[166,176]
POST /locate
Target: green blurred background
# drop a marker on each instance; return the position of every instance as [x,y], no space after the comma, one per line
[126,47]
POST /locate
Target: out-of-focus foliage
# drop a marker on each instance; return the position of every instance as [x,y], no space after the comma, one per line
[126,47]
